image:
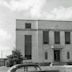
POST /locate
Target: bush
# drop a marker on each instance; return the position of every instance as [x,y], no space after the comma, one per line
[15,58]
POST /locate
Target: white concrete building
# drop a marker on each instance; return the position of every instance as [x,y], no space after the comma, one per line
[44,40]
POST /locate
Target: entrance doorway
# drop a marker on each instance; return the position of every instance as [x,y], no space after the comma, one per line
[57,55]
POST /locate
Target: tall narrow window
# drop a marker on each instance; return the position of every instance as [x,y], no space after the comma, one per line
[45,37]
[28,46]
[68,55]
[57,37]
[28,25]
[67,37]
[46,55]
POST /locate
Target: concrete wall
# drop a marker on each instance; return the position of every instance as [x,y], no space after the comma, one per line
[20,24]
[55,25]
[21,41]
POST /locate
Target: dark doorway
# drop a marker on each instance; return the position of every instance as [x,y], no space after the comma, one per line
[56,55]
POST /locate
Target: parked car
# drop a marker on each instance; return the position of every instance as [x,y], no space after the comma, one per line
[25,68]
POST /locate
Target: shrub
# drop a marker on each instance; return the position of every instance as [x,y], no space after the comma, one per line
[15,58]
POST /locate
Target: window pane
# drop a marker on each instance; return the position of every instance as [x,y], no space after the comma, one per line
[67,37]
[46,55]
[45,37]
[68,55]
[57,37]
[28,46]
[27,25]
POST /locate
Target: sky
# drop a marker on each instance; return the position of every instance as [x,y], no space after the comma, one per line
[10,10]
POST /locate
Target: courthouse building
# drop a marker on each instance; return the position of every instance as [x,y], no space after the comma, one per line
[44,40]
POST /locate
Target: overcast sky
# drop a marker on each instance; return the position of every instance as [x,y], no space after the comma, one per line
[10,10]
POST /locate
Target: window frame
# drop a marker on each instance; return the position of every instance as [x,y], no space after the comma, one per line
[46,55]
[27,25]
[27,49]
[68,55]
[57,37]
[45,37]
[67,41]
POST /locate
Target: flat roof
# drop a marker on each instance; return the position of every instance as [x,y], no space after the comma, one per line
[43,20]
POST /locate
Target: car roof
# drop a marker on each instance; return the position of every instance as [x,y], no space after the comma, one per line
[28,64]
[13,68]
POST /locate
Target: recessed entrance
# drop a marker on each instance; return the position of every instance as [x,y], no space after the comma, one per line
[57,55]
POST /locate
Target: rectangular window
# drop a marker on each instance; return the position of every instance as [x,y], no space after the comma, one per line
[46,55]
[57,37]
[28,25]
[28,46]
[45,37]
[68,55]
[67,37]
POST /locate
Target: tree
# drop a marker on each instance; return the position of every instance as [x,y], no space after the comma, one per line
[15,58]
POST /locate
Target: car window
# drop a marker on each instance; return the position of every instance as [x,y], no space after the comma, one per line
[20,69]
[31,69]
[27,69]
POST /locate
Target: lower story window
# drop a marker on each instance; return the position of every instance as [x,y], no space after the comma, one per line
[68,55]
[46,55]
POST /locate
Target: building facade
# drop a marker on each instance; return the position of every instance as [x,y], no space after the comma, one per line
[44,40]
